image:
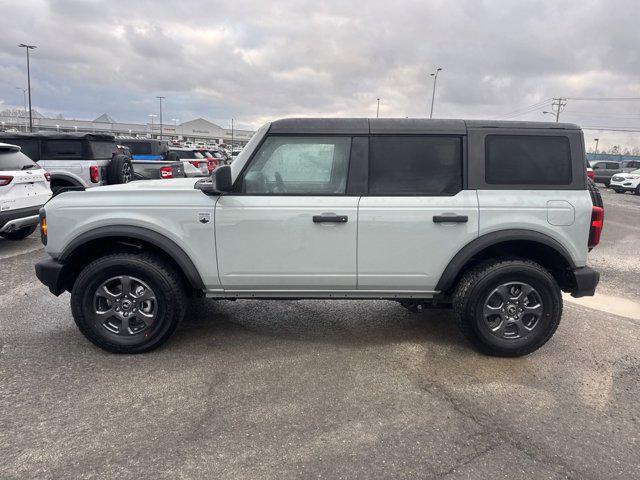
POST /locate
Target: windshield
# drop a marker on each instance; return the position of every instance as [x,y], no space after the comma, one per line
[243,156]
[13,160]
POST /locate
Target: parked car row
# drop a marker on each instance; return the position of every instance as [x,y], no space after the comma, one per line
[605,170]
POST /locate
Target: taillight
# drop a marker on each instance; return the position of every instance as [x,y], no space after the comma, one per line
[5,180]
[194,163]
[94,174]
[597,222]
[592,175]
[47,176]
[166,172]
[43,226]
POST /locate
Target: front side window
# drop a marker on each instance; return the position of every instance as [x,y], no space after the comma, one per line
[527,160]
[415,165]
[613,166]
[299,165]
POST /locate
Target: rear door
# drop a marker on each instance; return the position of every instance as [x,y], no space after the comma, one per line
[416,215]
[291,224]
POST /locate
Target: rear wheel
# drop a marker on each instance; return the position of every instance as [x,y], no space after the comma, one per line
[19,234]
[508,307]
[128,303]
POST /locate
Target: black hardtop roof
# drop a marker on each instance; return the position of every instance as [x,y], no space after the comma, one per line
[61,136]
[366,126]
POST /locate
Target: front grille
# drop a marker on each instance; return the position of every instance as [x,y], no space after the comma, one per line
[617,179]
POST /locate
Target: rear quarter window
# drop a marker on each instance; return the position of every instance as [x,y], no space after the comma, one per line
[527,160]
[62,149]
[102,150]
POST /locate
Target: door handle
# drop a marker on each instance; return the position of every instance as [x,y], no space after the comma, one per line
[450,219]
[330,219]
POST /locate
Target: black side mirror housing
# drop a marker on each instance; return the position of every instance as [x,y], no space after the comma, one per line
[221,179]
[220,182]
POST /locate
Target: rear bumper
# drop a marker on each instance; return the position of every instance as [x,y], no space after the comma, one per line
[586,281]
[51,273]
[11,220]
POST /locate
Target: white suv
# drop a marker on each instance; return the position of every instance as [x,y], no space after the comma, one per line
[24,189]
[626,182]
[492,218]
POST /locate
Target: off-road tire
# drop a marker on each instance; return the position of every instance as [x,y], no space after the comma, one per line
[476,284]
[19,234]
[120,170]
[596,198]
[162,277]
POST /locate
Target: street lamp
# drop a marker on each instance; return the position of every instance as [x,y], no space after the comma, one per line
[160,100]
[597,140]
[152,115]
[433,94]
[27,48]
[378,109]
[175,127]
[24,100]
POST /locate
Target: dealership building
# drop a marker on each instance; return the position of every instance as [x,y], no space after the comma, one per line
[199,129]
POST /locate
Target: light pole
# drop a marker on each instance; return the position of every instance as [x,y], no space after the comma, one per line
[175,126]
[597,140]
[27,48]
[160,100]
[24,101]
[152,115]
[232,137]
[378,109]
[433,94]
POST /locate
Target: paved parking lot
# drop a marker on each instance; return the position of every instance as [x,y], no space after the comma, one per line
[344,389]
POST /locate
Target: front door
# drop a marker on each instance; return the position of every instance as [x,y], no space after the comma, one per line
[290,225]
[416,216]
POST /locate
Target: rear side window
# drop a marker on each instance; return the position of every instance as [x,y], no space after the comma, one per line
[527,160]
[613,166]
[413,165]
[188,154]
[138,148]
[13,160]
[62,149]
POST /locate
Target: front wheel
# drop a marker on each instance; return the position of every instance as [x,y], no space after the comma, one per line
[508,307]
[128,303]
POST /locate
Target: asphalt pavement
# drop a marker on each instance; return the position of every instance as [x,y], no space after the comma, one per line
[323,389]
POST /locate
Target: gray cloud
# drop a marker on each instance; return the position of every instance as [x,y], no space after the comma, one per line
[258,60]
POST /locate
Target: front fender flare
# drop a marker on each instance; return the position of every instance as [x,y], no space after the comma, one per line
[140,233]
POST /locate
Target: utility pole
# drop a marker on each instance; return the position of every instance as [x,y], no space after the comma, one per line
[232,137]
[378,109]
[160,99]
[27,48]
[597,140]
[433,94]
[556,107]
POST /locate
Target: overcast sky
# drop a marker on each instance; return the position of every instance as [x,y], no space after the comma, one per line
[260,60]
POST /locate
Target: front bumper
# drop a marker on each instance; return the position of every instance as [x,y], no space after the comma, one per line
[586,281]
[52,273]
[12,220]
[621,186]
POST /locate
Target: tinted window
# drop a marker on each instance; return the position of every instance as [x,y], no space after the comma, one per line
[12,160]
[103,149]
[299,165]
[62,149]
[527,160]
[188,154]
[415,165]
[138,148]
[30,147]
[598,166]
[613,166]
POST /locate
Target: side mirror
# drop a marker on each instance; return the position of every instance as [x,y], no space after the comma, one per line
[221,179]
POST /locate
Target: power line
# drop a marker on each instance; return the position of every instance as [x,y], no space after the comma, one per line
[530,108]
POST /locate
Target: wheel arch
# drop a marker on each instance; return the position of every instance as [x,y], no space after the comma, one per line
[514,243]
[95,243]
[63,177]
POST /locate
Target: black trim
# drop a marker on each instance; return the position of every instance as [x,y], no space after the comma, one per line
[330,219]
[358,177]
[474,247]
[140,233]
[586,282]
[9,215]
[51,273]
[66,178]
[450,219]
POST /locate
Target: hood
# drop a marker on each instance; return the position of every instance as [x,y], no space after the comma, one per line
[142,185]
